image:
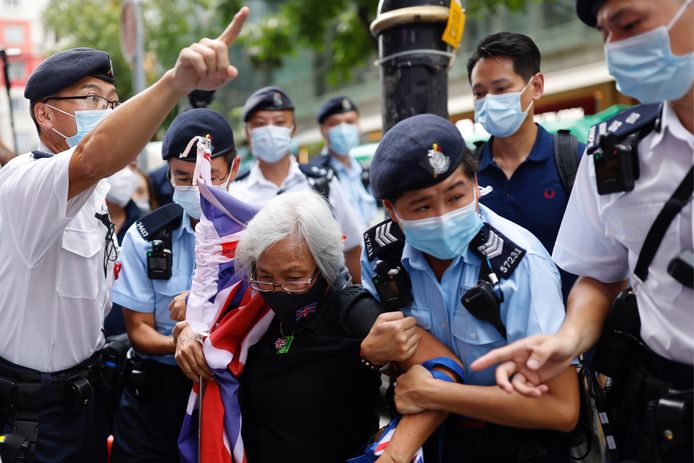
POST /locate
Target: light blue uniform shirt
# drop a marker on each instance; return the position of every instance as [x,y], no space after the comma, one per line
[135,291]
[532,298]
[362,201]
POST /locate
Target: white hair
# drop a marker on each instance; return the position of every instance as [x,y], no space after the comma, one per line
[305,216]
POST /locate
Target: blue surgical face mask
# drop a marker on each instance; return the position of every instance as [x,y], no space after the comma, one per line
[86,121]
[645,68]
[444,237]
[271,143]
[189,199]
[342,138]
[501,115]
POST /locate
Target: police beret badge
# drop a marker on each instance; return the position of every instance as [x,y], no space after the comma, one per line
[438,161]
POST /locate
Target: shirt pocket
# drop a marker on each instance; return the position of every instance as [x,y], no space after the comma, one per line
[80,268]
[630,225]
[473,338]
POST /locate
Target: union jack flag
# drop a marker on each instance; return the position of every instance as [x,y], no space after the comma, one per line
[306,311]
[228,315]
[378,446]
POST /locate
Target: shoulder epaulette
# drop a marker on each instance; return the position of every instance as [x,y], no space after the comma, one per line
[322,160]
[385,238]
[38,154]
[169,215]
[504,255]
[243,175]
[313,171]
[642,118]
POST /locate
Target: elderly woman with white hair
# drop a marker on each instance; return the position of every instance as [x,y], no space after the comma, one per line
[305,392]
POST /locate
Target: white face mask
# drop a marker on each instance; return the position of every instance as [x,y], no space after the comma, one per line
[645,68]
[189,199]
[501,115]
[85,121]
[123,185]
[271,143]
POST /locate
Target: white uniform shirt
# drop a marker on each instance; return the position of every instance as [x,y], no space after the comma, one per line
[54,294]
[601,237]
[256,190]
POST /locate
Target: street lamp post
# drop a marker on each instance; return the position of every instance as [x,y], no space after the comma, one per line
[413,58]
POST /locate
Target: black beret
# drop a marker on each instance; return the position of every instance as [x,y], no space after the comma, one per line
[416,153]
[587,11]
[64,69]
[266,99]
[193,123]
[336,105]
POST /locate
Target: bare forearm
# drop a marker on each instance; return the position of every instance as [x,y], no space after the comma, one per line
[147,340]
[429,348]
[587,307]
[352,257]
[556,410]
[115,142]
[411,433]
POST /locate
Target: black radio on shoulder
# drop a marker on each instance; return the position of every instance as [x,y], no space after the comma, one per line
[484,302]
[616,163]
[159,261]
[392,284]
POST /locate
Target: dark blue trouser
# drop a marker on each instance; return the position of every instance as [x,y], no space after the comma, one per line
[69,437]
[146,428]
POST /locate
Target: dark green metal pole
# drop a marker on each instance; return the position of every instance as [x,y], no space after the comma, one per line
[413,59]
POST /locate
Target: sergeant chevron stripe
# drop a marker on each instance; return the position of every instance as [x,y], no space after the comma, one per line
[493,247]
[383,236]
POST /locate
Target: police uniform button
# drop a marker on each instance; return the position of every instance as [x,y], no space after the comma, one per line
[473,335]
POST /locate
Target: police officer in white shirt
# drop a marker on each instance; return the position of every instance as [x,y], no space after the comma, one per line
[628,224]
[57,246]
[269,117]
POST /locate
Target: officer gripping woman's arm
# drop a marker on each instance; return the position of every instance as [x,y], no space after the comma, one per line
[57,249]
[471,279]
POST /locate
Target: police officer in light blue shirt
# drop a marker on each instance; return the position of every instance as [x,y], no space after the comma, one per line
[158,257]
[338,119]
[474,280]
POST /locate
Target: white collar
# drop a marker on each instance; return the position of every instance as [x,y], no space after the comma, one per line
[256,174]
[671,123]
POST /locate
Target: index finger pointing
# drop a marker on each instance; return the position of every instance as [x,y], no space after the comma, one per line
[234,27]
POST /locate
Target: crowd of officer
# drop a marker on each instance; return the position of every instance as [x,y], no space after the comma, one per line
[518,256]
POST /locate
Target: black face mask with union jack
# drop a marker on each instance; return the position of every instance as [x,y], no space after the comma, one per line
[293,309]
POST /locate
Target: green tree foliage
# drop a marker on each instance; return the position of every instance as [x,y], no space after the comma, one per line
[338,29]
[169,24]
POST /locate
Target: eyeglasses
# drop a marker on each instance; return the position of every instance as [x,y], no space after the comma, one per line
[185,183]
[90,101]
[111,249]
[292,287]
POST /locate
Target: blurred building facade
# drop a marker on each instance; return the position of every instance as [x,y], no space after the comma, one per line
[576,79]
[20,28]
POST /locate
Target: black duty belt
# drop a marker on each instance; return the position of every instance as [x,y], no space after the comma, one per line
[21,385]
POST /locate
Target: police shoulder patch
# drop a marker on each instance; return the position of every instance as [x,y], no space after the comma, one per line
[316,171]
[641,117]
[383,238]
[160,218]
[38,154]
[504,255]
